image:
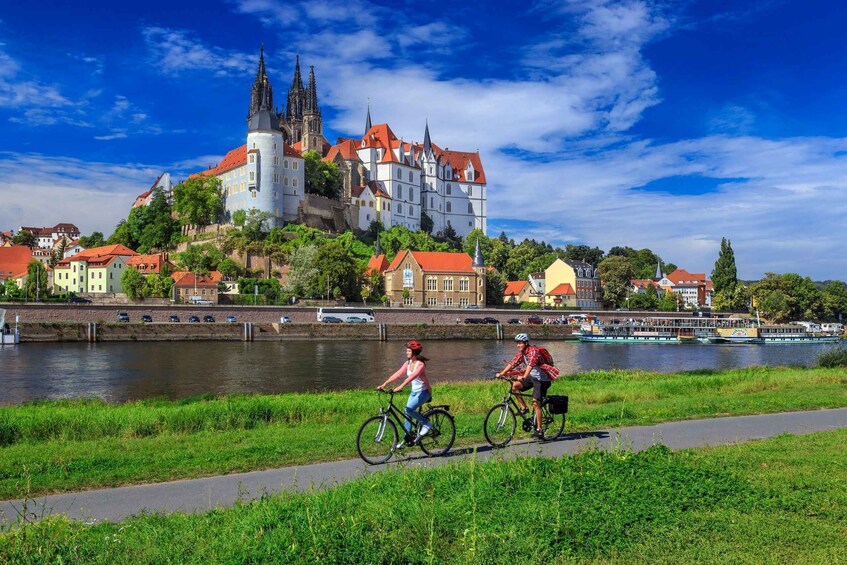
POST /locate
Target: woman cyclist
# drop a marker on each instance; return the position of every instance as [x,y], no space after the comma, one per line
[414,370]
[534,377]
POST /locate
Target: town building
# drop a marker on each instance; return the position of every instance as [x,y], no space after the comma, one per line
[517,292]
[188,284]
[151,264]
[93,271]
[47,238]
[14,261]
[690,287]
[584,280]
[436,279]
[163,182]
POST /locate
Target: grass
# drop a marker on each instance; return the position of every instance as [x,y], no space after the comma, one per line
[834,357]
[775,501]
[74,445]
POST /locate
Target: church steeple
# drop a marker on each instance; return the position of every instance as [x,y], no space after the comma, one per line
[659,275]
[427,144]
[368,125]
[296,95]
[478,261]
[378,250]
[261,94]
[312,135]
[311,106]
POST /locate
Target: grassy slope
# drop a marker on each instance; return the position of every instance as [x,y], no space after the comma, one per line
[774,501]
[71,445]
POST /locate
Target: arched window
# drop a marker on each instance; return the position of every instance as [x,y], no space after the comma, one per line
[449,207]
[410,176]
[400,191]
[470,208]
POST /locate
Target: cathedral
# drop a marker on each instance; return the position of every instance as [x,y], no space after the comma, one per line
[386,179]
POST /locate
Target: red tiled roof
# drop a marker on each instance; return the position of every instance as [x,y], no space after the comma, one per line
[564,289]
[94,252]
[184,279]
[683,277]
[347,150]
[289,151]
[235,158]
[382,137]
[14,259]
[437,261]
[514,288]
[377,263]
[147,264]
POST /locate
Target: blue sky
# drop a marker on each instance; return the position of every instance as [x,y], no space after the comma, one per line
[666,125]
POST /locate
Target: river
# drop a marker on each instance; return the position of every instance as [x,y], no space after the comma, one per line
[125,371]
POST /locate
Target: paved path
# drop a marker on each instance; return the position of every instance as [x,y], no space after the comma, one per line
[202,494]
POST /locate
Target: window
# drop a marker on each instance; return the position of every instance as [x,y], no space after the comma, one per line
[470,208]
[449,189]
[399,208]
[464,284]
[284,181]
[252,156]
[252,176]
[463,302]
[410,176]
[448,302]
[294,165]
[431,205]
[399,191]
[253,193]
[470,191]
[411,194]
[294,182]
[254,145]
[408,301]
[276,178]
[449,207]
[431,283]
[399,173]
[285,163]
[431,301]
[448,284]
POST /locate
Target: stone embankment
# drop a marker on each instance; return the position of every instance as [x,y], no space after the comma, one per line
[49,323]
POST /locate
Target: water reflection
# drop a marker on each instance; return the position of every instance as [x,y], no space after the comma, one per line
[127,371]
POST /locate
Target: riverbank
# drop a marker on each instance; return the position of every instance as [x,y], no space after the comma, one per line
[62,446]
[773,501]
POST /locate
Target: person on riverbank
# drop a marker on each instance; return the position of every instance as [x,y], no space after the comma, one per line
[414,370]
[534,377]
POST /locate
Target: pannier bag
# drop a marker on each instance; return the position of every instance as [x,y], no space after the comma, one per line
[558,404]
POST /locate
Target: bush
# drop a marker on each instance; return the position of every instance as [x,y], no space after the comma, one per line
[831,358]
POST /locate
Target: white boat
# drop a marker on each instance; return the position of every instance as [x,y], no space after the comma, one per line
[8,335]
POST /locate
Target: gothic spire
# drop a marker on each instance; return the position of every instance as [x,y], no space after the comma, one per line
[427,144]
[378,250]
[312,94]
[478,261]
[296,96]
[659,275]
[261,94]
[368,120]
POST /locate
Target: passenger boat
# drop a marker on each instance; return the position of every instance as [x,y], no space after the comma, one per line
[698,330]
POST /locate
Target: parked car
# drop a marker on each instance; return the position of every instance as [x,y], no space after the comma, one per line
[231,319]
[147,318]
[474,321]
[193,319]
[199,301]
[331,320]
[209,318]
[471,307]
[79,300]
[534,320]
[356,320]
[123,317]
[490,320]
[174,318]
[284,320]
[514,321]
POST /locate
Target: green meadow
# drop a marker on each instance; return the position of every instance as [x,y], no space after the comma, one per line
[777,501]
[61,446]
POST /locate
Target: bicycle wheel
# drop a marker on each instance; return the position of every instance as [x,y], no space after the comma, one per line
[376,440]
[500,424]
[440,439]
[553,423]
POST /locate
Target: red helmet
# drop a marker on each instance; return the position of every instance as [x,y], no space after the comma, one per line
[415,346]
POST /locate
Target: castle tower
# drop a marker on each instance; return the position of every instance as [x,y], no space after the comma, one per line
[264,147]
[312,122]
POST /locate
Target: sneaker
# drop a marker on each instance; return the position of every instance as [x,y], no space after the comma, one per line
[424,430]
[523,411]
[400,444]
[538,434]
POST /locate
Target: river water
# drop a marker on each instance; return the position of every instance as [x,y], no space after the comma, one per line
[128,371]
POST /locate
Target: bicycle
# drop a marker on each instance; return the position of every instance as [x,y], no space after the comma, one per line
[377,438]
[501,420]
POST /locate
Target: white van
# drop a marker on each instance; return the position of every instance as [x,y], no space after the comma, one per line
[199,301]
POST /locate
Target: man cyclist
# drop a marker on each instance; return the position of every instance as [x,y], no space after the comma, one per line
[534,377]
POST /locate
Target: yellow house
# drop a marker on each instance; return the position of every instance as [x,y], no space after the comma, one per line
[93,271]
[584,280]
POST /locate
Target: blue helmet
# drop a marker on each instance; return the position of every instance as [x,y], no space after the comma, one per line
[522,337]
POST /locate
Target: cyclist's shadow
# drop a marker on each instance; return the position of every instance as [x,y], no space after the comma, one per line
[469,450]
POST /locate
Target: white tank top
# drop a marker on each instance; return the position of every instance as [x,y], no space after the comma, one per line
[417,383]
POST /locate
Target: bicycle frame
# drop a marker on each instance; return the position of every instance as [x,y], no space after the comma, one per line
[399,416]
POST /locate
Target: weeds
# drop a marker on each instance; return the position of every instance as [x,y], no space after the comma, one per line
[834,357]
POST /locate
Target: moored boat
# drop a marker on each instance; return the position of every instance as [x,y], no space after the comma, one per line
[8,335]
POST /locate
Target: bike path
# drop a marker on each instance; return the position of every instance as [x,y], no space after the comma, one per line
[195,495]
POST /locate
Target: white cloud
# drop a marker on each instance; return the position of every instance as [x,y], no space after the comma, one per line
[176,51]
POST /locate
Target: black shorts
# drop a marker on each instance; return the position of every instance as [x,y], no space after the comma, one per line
[539,388]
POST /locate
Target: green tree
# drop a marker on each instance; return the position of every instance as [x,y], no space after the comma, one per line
[200,258]
[590,255]
[122,235]
[96,239]
[59,253]
[229,268]
[256,224]
[669,302]
[426,223]
[647,300]
[157,228]
[133,283]
[11,290]
[337,269]
[495,286]
[834,298]
[156,286]
[24,237]
[322,177]
[725,274]
[239,217]
[616,272]
[304,272]
[787,297]
[36,280]
[199,200]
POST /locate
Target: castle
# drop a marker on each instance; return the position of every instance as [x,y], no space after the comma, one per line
[385,178]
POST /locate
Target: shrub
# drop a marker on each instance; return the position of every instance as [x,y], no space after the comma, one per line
[831,358]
